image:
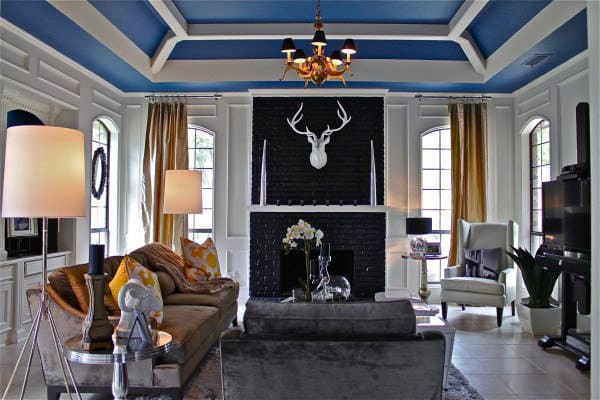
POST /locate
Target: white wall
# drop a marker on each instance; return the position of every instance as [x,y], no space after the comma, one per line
[60,93]
[593,15]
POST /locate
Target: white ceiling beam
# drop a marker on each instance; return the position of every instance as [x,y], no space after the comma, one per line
[472,52]
[95,23]
[364,70]
[464,16]
[164,50]
[538,28]
[305,31]
[169,12]
[457,31]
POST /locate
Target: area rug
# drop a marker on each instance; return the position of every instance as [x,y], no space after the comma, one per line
[206,385]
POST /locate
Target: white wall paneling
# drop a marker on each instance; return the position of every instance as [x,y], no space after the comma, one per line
[237,175]
[593,16]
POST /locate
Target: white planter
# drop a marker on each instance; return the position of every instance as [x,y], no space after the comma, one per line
[540,321]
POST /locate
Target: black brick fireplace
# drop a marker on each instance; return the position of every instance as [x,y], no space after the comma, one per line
[361,232]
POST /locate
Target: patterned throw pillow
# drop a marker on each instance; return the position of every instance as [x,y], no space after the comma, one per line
[483,263]
[131,269]
[200,260]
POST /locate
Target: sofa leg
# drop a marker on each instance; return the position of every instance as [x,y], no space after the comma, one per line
[463,307]
[444,310]
[512,308]
[53,392]
[499,312]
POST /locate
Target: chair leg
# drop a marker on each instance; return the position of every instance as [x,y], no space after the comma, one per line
[512,308]
[463,307]
[444,310]
[499,312]
[235,322]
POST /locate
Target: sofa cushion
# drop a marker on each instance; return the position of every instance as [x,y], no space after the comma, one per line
[189,326]
[167,284]
[394,318]
[220,299]
[76,277]
[476,285]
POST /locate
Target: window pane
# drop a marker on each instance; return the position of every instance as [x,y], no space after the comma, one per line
[431,199]
[204,158]
[545,150]
[204,139]
[536,136]
[545,132]
[445,159]
[207,198]
[207,178]
[536,199]
[435,218]
[431,179]
[446,179]
[536,178]
[431,140]
[200,221]
[536,156]
[445,220]
[198,237]
[536,221]
[545,173]
[536,241]
[446,199]
[445,138]
[431,159]
[433,271]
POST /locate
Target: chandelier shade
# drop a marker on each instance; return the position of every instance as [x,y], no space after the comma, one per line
[288,46]
[318,68]
[319,39]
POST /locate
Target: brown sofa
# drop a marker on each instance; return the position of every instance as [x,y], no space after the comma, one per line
[194,320]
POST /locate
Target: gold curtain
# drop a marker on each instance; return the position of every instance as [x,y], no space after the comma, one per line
[165,148]
[468,133]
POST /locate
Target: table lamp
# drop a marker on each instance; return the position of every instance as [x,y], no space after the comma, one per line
[183,192]
[44,176]
[418,226]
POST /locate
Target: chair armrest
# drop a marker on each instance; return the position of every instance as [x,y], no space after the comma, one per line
[454,271]
[508,276]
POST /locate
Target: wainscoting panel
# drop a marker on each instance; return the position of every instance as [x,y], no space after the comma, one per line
[237,161]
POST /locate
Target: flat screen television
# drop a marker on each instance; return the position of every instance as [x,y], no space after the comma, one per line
[566,214]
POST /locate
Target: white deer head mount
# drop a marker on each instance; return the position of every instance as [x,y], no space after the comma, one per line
[318,157]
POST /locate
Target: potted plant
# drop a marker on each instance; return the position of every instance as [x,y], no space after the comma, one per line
[537,313]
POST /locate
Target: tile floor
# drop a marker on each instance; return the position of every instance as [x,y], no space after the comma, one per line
[501,363]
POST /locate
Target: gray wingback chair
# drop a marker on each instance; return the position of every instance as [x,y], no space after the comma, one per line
[463,290]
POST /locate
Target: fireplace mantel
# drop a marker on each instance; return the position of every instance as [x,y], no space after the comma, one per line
[319,209]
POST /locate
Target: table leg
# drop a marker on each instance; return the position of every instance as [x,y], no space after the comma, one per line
[424,291]
[119,383]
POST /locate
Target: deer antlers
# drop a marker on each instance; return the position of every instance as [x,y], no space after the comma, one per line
[325,135]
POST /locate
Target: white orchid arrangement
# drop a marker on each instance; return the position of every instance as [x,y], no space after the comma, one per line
[301,231]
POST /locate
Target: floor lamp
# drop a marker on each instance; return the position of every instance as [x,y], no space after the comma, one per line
[44,176]
[183,192]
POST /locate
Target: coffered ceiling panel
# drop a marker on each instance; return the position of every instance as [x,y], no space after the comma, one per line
[210,45]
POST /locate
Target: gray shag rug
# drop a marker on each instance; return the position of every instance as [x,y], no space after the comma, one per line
[206,385]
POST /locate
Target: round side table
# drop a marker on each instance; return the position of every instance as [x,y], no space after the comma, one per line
[74,352]
[424,291]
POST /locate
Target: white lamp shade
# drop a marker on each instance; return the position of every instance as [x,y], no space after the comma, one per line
[183,192]
[44,172]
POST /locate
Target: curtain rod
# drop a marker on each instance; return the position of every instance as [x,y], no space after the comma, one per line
[482,97]
[215,96]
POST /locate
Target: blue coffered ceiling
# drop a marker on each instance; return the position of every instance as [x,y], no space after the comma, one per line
[409,36]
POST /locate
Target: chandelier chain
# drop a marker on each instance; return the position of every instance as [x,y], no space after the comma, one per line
[318,24]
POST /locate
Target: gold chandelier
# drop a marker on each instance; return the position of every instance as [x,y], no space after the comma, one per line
[318,67]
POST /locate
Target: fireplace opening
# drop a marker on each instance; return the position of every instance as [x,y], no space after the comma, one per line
[292,268]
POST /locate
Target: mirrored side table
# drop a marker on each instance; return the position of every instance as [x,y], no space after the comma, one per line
[74,352]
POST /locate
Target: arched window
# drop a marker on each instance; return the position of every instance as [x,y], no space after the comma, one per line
[539,171]
[436,192]
[201,157]
[103,200]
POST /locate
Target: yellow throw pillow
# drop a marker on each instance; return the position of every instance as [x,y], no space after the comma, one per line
[131,269]
[200,260]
